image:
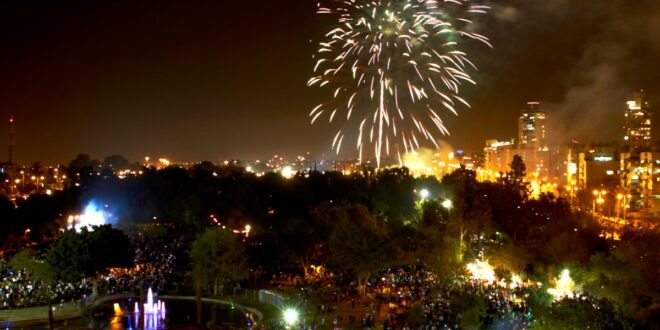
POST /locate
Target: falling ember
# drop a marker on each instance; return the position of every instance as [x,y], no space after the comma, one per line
[392,65]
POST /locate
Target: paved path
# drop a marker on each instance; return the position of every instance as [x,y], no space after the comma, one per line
[38,315]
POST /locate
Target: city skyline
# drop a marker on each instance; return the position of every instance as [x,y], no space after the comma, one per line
[217,82]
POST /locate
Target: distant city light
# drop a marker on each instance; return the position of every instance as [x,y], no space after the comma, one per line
[448,204]
[287,172]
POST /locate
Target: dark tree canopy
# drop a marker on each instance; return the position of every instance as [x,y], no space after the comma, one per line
[88,253]
[217,256]
[518,168]
[358,243]
[116,162]
[37,269]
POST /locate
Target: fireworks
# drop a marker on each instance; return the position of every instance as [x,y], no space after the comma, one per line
[392,65]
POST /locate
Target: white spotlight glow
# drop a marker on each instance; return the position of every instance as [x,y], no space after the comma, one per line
[92,216]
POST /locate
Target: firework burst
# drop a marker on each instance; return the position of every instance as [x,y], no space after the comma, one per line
[392,66]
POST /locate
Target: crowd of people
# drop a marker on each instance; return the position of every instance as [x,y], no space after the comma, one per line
[392,295]
[17,290]
[389,297]
[155,267]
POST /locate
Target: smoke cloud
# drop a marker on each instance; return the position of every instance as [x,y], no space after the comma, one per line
[587,57]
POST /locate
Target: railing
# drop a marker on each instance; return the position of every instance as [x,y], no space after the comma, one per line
[273,298]
[248,294]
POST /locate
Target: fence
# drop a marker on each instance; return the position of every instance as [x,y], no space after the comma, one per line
[248,294]
[273,298]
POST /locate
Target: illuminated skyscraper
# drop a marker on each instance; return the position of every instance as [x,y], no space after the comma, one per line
[638,122]
[531,128]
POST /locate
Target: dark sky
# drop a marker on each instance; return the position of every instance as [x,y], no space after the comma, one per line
[195,80]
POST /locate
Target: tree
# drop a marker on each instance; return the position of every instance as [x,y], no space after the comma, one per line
[116,162]
[91,252]
[205,170]
[415,316]
[515,179]
[470,307]
[580,314]
[83,165]
[441,252]
[217,257]
[470,214]
[392,195]
[7,216]
[360,244]
[627,275]
[39,271]
[37,169]
[510,257]
[518,168]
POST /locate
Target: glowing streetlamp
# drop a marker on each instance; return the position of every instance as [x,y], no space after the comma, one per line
[424,193]
[27,235]
[572,190]
[290,316]
[598,198]
[619,204]
[448,204]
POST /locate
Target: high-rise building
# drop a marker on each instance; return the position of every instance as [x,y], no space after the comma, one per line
[638,123]
[532,145]
[531,128]
[638,161]
[498,155]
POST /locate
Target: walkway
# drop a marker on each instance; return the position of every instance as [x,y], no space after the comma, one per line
[38,315]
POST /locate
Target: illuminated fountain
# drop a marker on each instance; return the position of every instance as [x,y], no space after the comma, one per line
[117,309]
[154,312]
[149,312]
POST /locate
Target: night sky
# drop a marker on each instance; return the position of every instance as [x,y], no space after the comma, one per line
[196,80]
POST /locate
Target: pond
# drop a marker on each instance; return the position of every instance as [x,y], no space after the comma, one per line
[177,313]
